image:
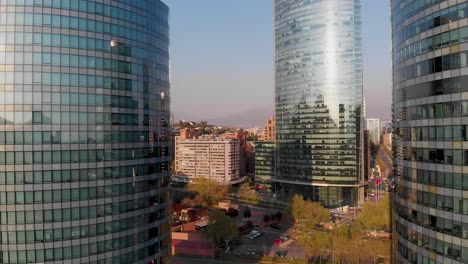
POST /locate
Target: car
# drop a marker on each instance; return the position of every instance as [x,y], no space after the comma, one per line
[227,249]
[281,253]
[253,234]
[278,241]
[284,237]
[275,226]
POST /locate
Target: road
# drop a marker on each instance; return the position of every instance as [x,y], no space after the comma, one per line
[187,260]
[387,160]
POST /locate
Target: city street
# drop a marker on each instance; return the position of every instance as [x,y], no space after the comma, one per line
[388,162]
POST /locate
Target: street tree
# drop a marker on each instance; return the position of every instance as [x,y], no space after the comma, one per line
[209,192]
[308,213]
[221,227]
[315,244]
[376,215]
[247,213]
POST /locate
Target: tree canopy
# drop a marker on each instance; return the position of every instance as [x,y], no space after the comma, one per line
[345,243]
[221,227]
[376,215]
[209,192]
[309,213]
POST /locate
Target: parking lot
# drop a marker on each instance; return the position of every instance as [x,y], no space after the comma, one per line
[265,243]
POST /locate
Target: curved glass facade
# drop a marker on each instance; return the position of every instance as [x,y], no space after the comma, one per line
[318,98]
[430,110]
[84,131]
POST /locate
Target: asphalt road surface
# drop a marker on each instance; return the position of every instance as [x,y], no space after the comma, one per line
[187,260]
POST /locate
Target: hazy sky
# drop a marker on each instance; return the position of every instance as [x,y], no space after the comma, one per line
[222,57]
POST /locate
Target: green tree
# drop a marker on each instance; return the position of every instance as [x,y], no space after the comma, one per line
[315,244]
[209,192]
[308,216]
[308,213]
[221,227]
[376,215]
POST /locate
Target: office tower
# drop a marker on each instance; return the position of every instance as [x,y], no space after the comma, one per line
[264,164]
[385,127]
[84,134]
[430,130]
[207,157]
[366,161]
[373,125]
[364,109]
[318,67]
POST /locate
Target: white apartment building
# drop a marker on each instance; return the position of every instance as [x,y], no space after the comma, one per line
[209,157]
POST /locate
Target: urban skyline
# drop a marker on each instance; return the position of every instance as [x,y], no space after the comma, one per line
[228,47]
[356,158]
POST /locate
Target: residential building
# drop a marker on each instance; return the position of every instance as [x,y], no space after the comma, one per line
[84,132]
[242,138]
[268,133]
[373,125]
[429,115]
[207,157]
[189,133]
[318,100]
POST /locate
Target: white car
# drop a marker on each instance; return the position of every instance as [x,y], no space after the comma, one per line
[253,234]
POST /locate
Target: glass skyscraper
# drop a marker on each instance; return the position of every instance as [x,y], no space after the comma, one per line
[430,110]
[318,67]
[84,131]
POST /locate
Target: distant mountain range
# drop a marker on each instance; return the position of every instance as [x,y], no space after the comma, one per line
[256,117]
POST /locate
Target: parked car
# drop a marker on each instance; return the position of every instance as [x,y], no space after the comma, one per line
[253,234]
[275,226]
[284,237]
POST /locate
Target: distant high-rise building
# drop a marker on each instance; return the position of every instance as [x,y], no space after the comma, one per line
[364,113]
[430,92]
[84,131]
[268,133]
[207,157]
[385,127]
[373,125]
[367,155]
[318,66]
